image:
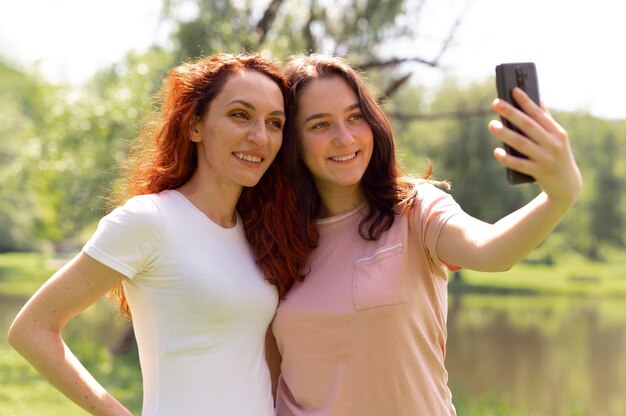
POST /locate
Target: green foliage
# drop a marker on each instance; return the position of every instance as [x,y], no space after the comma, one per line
[25,392]
[231,20]
[27,104]
[90,335]
[21,274]
[282,28]
[570,274]
[460,147]
[597,222]
[61,146]
[607,220]
[461,150]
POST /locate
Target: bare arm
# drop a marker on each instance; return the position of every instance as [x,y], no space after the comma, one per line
[473,244]
[36,331]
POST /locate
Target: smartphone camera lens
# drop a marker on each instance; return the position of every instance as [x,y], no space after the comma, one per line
[521,76]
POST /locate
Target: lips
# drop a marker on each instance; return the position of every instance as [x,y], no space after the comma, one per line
[248,157]
[343,158]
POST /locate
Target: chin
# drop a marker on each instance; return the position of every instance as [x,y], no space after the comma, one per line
[350,182]
[250,182]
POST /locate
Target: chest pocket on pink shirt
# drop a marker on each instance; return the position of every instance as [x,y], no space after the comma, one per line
[377,281]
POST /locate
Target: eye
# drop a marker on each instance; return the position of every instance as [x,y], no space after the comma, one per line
[276,123]
[320,125]
[355,116]
[239,114]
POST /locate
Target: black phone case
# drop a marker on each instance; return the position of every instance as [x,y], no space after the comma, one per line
[509,76]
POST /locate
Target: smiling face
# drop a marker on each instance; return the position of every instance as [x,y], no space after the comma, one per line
[337,142]
[241,132]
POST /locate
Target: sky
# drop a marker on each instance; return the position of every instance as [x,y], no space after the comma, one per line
[576,45]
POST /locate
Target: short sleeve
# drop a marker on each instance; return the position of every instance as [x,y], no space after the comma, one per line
[129,238]
[434,208]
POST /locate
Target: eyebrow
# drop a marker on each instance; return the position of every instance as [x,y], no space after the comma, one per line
[322,115]
[252,107]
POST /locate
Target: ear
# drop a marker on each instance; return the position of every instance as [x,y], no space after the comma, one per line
[195,127]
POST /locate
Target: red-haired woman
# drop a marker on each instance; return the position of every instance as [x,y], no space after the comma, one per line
[178,250]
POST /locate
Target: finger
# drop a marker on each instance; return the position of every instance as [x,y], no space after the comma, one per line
[522,121]
[545,119]
[514,139]
[513,162]
[539,113]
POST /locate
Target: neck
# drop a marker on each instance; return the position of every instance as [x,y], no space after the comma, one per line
[339,201]
[217,202]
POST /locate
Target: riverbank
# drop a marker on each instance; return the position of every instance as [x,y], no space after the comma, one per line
[571,275]
[22,273]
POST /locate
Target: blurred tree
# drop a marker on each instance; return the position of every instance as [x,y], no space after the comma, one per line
[461,149]
[361,30]
[60,146]
[598,145]
[122,99]
[607,218]
[25,106]
[285,27]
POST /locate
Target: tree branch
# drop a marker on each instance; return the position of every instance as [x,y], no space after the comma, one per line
[268,18]
[395,61]
[446,43]
[394,87]
[432,62]
[459,114]
[309,39]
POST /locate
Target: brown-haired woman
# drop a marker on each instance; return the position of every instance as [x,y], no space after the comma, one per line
[195,286]
[365,332]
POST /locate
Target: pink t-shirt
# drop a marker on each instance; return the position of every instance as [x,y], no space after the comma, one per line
[365,333]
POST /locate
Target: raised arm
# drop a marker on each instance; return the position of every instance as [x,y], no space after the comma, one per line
[470,243]
[36,331]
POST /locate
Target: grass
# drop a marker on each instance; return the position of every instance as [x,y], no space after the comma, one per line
[22,273]
[571,276]
[24,391]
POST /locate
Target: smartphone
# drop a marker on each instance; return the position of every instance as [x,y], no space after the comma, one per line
[509,76]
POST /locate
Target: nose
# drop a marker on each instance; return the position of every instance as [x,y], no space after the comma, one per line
[258,133]
[343,135]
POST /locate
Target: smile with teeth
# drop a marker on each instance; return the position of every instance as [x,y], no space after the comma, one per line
[343,158]
[248,158]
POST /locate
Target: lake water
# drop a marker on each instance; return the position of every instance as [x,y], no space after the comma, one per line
[537,355]
[542,355]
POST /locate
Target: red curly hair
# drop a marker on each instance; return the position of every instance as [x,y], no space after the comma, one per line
[163,157]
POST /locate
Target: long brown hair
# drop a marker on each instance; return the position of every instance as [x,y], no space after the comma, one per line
[163,157]
[385,190]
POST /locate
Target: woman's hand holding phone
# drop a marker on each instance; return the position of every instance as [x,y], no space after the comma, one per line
[550,160]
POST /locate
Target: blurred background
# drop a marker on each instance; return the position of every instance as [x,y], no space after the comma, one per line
[546,338]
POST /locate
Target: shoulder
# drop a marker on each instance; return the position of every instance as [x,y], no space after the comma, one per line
[141,212]
[422,192]
[429,200]
[139,205]
[130,237]
[425,188]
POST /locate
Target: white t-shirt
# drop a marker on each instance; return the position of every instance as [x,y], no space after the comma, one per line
[200,306]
